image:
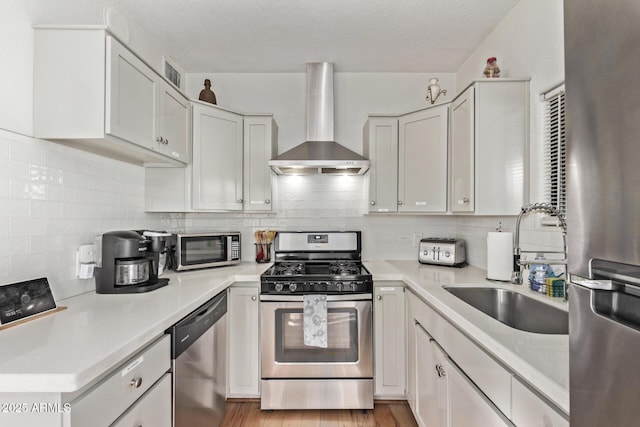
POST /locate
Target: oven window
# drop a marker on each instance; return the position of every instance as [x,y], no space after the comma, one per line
[342,337]
[199,250]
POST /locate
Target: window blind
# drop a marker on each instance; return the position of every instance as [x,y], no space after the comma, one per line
[555,149]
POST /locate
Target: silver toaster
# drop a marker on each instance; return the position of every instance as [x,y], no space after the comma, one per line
[441,251]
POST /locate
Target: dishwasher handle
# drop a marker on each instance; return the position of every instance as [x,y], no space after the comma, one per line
[193,326]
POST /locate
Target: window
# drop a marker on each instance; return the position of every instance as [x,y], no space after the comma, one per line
[555,149]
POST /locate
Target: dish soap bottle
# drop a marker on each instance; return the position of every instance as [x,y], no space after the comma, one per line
[537,274]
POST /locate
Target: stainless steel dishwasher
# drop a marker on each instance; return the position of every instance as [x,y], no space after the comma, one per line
[198,350]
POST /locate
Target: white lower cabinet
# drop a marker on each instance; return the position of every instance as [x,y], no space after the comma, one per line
[468,406]
[444,394]
[439,390]
[244,342]
[530,410]
[389,336]
[453,382]
[154,409]
[124,392]
[431,385]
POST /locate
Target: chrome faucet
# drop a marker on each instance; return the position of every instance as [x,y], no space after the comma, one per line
[518,263]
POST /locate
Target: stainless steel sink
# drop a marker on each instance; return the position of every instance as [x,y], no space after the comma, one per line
[515,309]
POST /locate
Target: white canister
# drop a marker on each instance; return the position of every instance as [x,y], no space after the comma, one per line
[499,255]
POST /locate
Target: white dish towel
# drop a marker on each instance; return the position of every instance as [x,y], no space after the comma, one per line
[315,320]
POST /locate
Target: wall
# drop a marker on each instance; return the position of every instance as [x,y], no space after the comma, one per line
[528,42]
[54,198]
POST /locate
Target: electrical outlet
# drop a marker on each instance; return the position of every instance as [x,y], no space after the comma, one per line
[416,239]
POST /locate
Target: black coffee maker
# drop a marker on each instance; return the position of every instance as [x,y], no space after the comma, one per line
[126,264]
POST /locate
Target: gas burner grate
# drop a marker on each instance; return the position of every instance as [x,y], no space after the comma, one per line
[289,269]
[344,268]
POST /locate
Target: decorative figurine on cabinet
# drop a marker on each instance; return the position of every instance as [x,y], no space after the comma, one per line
[492,69]
[207,94]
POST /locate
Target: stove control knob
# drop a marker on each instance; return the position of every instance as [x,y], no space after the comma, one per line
[447,254]
[279,287]
[339,286]
[293,287]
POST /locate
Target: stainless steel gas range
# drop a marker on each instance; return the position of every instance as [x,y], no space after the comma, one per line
[316,324]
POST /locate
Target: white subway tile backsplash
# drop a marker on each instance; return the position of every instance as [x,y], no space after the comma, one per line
[28,266]
[28,151]
[5,267]
[54,198]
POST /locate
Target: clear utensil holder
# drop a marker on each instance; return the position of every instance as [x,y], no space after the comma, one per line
[263,252]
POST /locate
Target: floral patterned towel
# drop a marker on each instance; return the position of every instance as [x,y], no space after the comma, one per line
[315,320]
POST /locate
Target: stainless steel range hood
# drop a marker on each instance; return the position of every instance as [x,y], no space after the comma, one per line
[320,154]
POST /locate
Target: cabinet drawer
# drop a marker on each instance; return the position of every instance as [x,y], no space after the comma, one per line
[491,377]
[531,410]
[107,400]
[153,409]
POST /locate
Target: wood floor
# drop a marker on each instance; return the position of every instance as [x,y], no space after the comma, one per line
[384,414]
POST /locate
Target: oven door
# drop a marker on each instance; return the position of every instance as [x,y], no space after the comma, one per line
[349,351]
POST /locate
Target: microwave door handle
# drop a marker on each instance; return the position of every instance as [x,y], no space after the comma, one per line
[229,240]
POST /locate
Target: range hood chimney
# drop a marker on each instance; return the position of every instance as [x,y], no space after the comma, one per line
[319,154]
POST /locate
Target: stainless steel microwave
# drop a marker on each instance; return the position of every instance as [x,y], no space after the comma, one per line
[190,251]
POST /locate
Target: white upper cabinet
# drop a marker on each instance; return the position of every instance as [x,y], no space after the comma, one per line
[217,159]
[462,152]
[229,171]
[381,148]
[260,136]
[92,93]
[422,160]
[408,161]
[489,147]
[173,124]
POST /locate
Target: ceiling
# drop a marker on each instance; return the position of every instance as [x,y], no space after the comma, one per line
[282,35]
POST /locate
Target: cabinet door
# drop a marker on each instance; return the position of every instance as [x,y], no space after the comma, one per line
[259,147]
[381,142]
[468,406]
[462,153]
[411,354]
[152,409]
[173,122]
[502,135]
[432,388]
[131,89]
[388,329]
[530,410]
[422,161]
[244,344]
[217,159]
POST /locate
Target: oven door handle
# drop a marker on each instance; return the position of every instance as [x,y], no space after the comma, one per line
[295,298]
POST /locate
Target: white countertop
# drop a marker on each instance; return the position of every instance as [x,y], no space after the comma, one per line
[68,350]
[541,360]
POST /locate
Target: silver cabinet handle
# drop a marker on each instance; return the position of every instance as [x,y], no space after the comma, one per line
[440,371]
[373,203]
[253,298]
[136,382]
[240,201]
[399,202]
[166,141]
[158,139]
[463,201]
[267,201]
[379,297]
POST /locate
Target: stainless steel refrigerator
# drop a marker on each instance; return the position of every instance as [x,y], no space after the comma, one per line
[602,54]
